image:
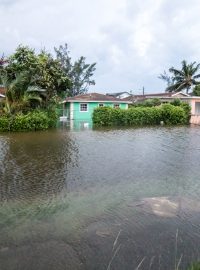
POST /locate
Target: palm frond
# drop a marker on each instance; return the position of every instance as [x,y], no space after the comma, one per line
[176,72]
[176,87]
[195,82]
[196,76]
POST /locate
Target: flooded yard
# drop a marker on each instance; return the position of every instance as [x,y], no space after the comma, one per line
[100,199]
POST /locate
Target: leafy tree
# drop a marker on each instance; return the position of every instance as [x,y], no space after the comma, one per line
[41,70]
[196,90]
[50,76]
[39,80]
[78,72]
[182,79]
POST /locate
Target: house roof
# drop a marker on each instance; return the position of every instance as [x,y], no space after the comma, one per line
[156,95]
[91,97]
[117,93]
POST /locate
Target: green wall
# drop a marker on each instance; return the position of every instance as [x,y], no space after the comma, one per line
[91,106]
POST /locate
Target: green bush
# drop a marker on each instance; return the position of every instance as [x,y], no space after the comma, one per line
[4,123]
[147,103]
[176,102]
[173,115]
[34,120]
[137,116]
[195,266]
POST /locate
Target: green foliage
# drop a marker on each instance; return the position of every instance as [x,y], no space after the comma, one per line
[33,80]
[34,120]
[196,90]
[50,76]
[52,116]
[173,115]
[148,103]
[176,102]
[30,121]
[35,83]
[194,266]
[182,79]
[18,97]
[40,70]
[78,72]
[4,123]
[139,116]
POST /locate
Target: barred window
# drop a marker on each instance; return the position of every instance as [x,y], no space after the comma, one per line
[101,104]
[116,106]
[83,107]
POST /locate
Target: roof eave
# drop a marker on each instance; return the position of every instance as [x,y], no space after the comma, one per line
[99,101]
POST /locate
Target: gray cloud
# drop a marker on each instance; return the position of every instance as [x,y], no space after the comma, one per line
[131,41]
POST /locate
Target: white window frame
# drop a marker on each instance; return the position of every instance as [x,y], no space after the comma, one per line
[102,105]
[80,107]
[114,105]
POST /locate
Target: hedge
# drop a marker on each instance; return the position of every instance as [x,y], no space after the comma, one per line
[139,116]
[35,120]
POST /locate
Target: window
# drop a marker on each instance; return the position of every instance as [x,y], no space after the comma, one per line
[116,106]
[101,104]
[83,107]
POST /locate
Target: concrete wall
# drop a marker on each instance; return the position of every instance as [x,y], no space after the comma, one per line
[195,111]
[195,119]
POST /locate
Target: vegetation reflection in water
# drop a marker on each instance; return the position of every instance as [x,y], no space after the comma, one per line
[57,184]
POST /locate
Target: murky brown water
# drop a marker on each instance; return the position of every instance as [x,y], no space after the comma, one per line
[104,199]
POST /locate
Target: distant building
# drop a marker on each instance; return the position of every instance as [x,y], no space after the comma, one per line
[161,96]
[119,95]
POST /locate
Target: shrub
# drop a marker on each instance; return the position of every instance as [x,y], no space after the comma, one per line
[35,120]
[137,116]
[173,114]
[186,107]
[101,116]
[176,102]
[147,103]
[4,123]
[52,116]
[195,266]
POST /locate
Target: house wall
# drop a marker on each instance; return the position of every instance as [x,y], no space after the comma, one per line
[76,114]
[195,111]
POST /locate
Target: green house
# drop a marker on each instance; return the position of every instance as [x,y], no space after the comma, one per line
[81,107]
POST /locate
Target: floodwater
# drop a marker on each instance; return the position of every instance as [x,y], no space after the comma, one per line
[100,199]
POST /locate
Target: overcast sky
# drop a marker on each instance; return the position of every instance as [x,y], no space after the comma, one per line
[132,41]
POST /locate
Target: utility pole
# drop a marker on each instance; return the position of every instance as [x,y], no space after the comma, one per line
[143,90]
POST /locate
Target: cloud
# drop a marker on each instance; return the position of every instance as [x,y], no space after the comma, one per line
[131,41]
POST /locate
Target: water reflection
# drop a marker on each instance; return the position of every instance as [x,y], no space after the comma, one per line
[75,125]
[35,164]
[70,200]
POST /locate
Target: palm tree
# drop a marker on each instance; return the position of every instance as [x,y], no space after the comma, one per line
[184,78]
[18,98]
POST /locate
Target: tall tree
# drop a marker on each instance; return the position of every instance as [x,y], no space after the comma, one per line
[45,71]
[78,72]
[182,79]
